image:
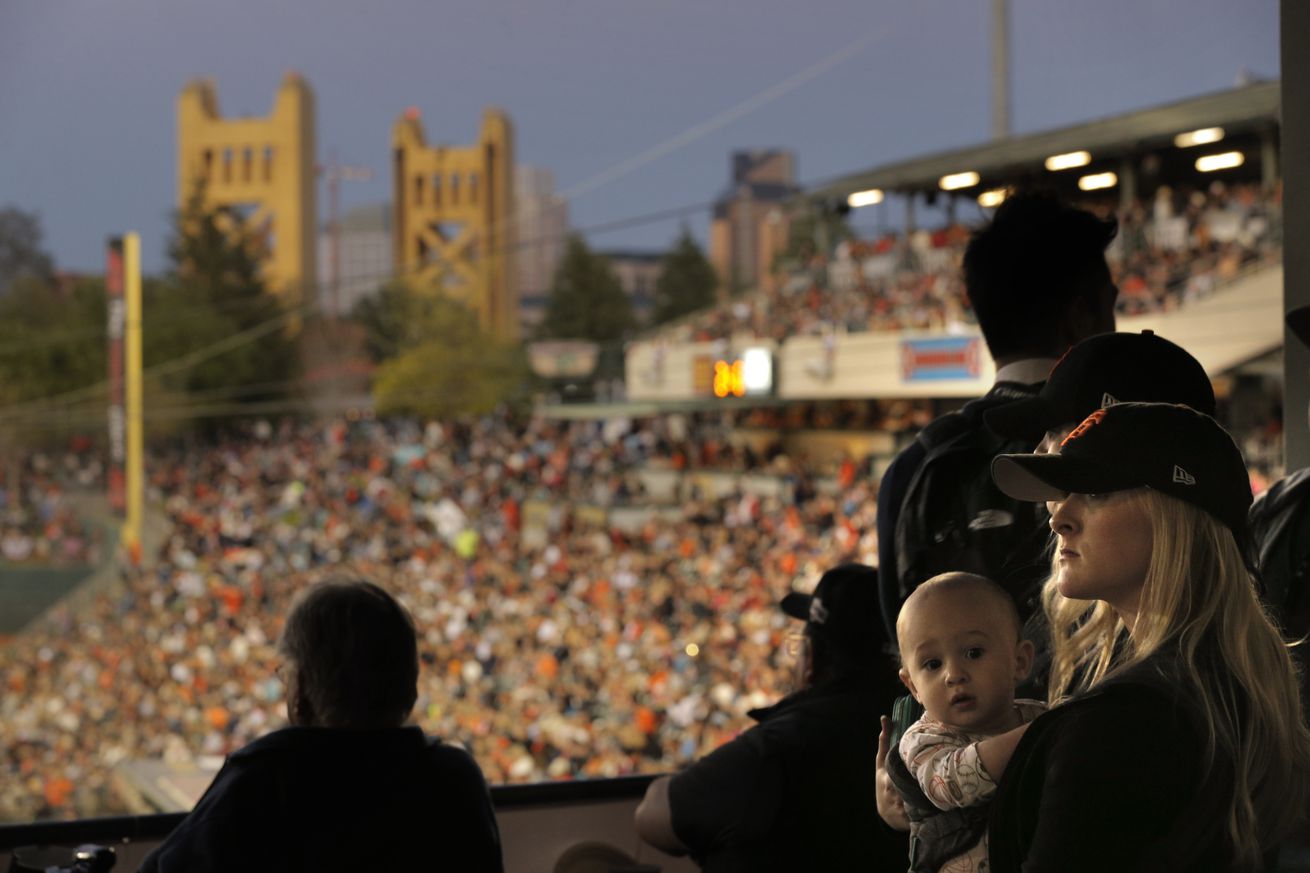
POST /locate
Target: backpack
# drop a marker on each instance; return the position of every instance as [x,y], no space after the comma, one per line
[1280,527]
[953,516]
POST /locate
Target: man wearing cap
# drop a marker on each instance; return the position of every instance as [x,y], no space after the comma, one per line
[795,792]
[1097,372]
[1038,282]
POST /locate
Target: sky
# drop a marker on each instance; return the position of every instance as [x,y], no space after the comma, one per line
[634,106]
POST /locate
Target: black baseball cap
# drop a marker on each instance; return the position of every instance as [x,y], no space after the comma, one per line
[1101,370]
[844,609]
[1170,448]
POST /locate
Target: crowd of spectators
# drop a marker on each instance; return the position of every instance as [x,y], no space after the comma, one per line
[556,645]
[586,652]
[38,522]
[1171,249]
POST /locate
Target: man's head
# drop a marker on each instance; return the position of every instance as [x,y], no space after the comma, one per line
[841,620]
[1101,370]
[961,651]
[1037,279]
[353,657]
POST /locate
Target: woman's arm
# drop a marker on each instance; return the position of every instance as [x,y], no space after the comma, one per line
[995,752]
[654,819]
[1110,783]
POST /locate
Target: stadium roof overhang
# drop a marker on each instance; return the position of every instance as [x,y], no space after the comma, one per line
[1247,109]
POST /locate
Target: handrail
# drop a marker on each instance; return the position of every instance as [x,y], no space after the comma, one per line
[129,828]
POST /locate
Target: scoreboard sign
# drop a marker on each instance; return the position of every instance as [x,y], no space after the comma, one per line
[941,359]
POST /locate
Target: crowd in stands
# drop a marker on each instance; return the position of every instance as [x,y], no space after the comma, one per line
[38,522]
[1172,248]
[580,651]
[555,645]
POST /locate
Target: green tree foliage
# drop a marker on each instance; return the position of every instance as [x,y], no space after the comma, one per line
[444,364]
[687,281]
[393,319]
[586,300]
[52,340]
[216,258]
[21,255]
[815,232]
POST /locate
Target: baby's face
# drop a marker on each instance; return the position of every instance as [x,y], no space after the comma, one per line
[962,658]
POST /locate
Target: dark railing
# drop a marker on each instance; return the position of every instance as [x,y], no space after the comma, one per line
[133,828]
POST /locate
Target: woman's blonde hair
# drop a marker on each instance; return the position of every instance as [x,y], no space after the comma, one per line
[1199,600]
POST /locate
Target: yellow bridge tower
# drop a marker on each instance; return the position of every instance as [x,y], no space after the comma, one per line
[454,208]
[261,166]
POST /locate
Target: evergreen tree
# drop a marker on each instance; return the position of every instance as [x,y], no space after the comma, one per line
[586,300]
[687,281]
[447,365]
[21,255]
[216,259]
[393,319]
[815,232]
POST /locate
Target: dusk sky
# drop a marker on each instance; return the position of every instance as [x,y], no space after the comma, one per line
[88,89]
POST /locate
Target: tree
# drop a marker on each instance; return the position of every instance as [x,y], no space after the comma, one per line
[21,256]
[814,232]
[216,259]
[586,301]
[51,342]
[448,366]
[687,281]
[393,319]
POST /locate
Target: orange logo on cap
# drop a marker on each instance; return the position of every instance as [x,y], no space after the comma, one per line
[1094,418]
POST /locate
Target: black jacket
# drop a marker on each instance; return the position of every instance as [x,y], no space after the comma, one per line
[317,799]
[1117,779]
[795,792]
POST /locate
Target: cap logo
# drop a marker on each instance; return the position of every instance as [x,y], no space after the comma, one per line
[1182,477]
[1108,399]
[1088,422]
[818,612]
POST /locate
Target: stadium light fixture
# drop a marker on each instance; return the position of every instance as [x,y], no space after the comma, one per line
[1204,136]
[1068,161]
[1221,161]
[1097,181]
[864,198]
[955,181]
[993,198]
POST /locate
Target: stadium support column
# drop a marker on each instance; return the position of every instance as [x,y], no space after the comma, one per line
[1294,28]
[1127,184]
[135,437]
[1269,159]
[125,474]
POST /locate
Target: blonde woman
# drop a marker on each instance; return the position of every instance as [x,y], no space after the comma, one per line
[1177,742]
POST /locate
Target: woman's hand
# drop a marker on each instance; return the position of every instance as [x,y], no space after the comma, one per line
[890,806]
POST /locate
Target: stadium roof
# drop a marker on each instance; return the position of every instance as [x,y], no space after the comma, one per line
[1242,109]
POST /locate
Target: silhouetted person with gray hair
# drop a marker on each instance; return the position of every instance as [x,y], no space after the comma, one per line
[348,786]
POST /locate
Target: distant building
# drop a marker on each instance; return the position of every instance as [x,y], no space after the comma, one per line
[637,273]
[453,214]
[749,228]
[263,167]
[541,230]
[364,262]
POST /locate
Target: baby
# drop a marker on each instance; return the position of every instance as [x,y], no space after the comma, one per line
[961,655]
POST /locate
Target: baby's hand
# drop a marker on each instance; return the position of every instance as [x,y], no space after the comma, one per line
[891,808]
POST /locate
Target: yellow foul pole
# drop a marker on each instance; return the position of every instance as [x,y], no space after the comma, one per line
[132,365]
